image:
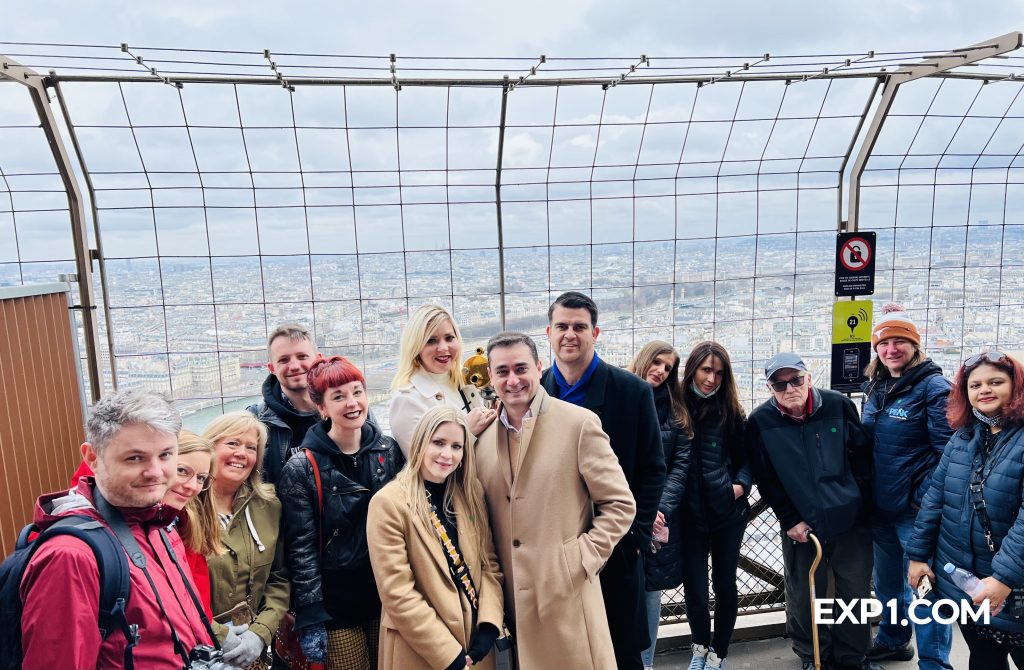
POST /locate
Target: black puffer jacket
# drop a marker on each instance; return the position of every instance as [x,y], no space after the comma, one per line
[286,428]
[328,559]
[718,462]
[664,569]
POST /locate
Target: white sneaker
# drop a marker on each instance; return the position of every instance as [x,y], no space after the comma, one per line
[700,655]
[714,660]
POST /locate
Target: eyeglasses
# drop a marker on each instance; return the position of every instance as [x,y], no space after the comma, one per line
[990,356]
[185,475]
[795,382]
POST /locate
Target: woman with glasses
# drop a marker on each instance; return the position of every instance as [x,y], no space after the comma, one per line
[433,556]
[198,529]
[430,374]
[657,363]
[971,517]
[715,508]
[905,413]
[326,488]
[249,585]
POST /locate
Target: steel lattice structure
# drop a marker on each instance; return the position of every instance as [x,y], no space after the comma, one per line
[203,197]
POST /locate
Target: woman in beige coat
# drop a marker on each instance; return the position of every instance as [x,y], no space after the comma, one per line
[433,556]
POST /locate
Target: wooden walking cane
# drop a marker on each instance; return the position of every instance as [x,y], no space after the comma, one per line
[814,624]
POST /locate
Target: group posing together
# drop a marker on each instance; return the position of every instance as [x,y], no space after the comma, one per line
[540,531]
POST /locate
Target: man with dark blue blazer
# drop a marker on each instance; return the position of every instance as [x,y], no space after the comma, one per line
[625,405]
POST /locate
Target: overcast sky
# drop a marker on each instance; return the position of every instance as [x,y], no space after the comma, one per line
[527,27]
[481,29]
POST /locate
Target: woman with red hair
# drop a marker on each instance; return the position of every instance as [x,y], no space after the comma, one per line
[326,489]
[970,517]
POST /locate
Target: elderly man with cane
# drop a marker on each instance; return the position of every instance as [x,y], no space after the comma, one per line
[812,461]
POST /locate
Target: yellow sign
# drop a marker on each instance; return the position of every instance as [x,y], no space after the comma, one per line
[851,321]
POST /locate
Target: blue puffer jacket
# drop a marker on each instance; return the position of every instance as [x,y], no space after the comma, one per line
[907,418]
[947,529]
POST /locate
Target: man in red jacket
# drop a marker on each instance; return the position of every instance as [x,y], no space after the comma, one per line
[132,447]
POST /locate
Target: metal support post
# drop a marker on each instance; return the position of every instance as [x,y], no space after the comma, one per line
[927,67]
[101,259]
[12,71]
[497,204]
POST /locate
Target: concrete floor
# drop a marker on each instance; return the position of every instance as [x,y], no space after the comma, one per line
[776,654]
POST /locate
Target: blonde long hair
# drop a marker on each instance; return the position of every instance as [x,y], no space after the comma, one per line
[462,488]
[201,532]
[236,423]
[414,337]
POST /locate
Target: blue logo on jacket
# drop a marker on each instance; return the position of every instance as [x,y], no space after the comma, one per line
[898,413]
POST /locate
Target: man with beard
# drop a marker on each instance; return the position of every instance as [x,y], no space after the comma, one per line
[286,409]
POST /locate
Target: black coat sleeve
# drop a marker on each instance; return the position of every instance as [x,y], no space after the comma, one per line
[650,467]
[300,520]
[768,483]
[859,444]
[678,455]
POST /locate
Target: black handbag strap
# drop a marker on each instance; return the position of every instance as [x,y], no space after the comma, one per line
[979,475]
[117,524]
[188,587]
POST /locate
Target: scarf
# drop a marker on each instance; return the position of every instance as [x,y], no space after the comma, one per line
[991,422]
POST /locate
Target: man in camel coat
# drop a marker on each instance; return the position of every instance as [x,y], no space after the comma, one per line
[559,503]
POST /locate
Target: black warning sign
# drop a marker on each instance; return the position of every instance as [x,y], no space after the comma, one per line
[855,263]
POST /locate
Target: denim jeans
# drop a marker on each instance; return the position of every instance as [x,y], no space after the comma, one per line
[653,617]
[891,564]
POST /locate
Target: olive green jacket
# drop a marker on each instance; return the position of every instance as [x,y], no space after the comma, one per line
[252,567]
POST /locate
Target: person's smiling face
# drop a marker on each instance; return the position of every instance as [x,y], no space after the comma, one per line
[989,389]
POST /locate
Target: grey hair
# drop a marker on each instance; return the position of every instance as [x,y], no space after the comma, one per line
[511,339]
[293,331]
[126,408]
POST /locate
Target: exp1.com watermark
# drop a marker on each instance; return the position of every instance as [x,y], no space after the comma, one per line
[919,611]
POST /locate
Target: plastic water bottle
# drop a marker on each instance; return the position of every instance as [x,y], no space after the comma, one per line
[967,582]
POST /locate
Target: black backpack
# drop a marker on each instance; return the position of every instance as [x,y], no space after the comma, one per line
[114,585]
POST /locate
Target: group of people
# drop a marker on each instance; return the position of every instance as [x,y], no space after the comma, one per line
[543,527]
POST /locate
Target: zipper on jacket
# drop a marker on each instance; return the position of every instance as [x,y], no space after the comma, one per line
[333,536]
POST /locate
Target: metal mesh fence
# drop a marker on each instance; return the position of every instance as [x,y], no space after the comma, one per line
[694,198]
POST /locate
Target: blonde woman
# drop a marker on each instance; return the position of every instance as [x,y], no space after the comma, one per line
[190,491]
[433,556]
[430,375]
[248,581]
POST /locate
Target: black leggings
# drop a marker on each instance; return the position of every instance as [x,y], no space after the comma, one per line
[987,654]
[723,546]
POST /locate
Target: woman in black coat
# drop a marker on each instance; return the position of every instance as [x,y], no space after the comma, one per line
[658,365]
[325,490]
[715,508]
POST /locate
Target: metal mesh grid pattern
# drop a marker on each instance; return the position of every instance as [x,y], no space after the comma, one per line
[693,198]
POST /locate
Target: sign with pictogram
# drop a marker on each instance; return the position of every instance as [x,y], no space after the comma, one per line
[855,263]
[851,343]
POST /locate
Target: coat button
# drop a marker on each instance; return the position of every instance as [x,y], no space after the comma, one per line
[516,543]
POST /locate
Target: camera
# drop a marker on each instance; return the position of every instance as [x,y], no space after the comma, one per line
[203,657]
